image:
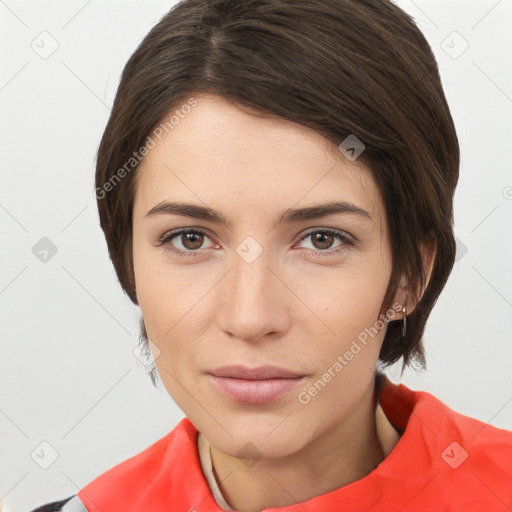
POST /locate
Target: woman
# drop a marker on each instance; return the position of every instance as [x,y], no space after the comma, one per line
[275,185]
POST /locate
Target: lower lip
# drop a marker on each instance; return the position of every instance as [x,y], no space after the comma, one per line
[255,392]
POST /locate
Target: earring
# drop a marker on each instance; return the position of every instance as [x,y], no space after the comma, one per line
[404,321]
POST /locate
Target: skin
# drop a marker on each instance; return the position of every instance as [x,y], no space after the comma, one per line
[288,307]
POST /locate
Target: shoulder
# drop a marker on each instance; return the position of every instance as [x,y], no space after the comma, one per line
[132,478]
[161,464]
[152,460]
[406,407]
[474,459]
[480,437]
[488,447]
[459,452]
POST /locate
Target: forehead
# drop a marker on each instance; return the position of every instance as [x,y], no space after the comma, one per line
[229,155]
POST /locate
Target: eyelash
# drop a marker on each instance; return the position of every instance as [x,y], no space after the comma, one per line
[340,235]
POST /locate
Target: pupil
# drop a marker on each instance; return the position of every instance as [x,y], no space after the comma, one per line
[192,238]
[323,238]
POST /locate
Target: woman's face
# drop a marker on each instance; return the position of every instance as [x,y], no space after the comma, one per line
[246,279]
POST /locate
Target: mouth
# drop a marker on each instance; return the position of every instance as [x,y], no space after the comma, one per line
[255,386]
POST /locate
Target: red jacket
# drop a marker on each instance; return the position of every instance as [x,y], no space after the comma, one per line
[444,461]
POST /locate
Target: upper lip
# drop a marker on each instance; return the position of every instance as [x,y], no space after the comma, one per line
[260,373]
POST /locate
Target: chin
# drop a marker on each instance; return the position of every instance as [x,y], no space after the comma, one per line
[253,447]
[257,436]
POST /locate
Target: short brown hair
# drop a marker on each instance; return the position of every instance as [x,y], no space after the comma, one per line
[340,67]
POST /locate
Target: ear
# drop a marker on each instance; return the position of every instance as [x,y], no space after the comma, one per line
[410,298]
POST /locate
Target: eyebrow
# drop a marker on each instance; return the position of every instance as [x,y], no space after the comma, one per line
[288,216]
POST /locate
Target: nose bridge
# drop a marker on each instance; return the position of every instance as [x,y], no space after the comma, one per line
[251,275]
[253,305]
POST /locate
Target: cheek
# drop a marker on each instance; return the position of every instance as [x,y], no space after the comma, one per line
[162,292]
[159,300]
[351,312]
[174,308]
[164,306]
[354,299]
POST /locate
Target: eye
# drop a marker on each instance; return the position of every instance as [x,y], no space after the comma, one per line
[323,239]
[190,240]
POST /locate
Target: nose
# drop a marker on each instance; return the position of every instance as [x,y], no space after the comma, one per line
[253,300]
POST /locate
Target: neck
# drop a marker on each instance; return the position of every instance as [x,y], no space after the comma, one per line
[343,454]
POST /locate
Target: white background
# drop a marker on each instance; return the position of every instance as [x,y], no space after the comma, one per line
[68,373]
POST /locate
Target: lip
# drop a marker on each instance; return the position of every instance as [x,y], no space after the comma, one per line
[259,373]
[255,386]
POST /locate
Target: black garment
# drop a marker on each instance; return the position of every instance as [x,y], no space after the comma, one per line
[54,506]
